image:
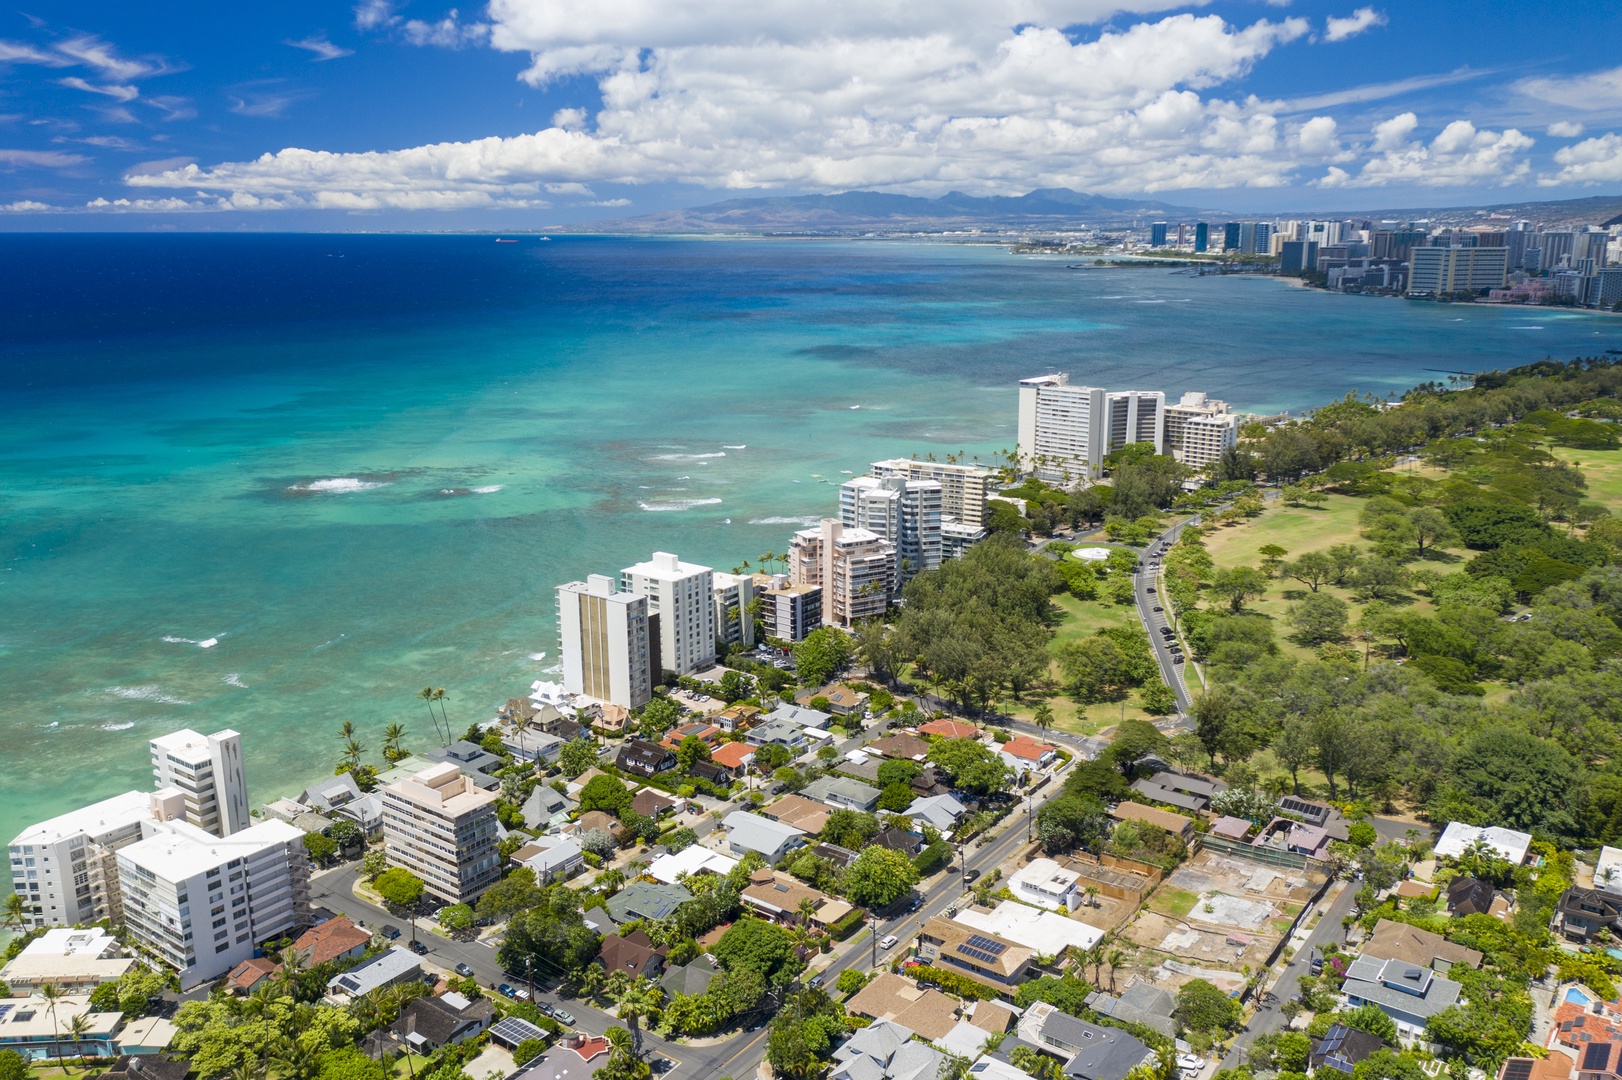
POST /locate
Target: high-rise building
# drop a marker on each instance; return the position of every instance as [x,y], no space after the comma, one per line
[1157,234]
[682,595]
[66,869]
[203,903]
[1135,416]
[1230,236]
[1606,290]
[733,595]
[1590,244]
[1297,256]
[1262,242]
[855,568]
[789,611]
[905,512]
[1202,236]
[1182,234]
[1434,270]
[1199,429]
[604,639]
[1322,233]
[208,769]
[963,487]
[441,827]
[1062,428]
[1558,247]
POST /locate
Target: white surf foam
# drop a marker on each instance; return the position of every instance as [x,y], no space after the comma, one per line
[1526,328]
[171,639]
[233,679]
[677,504]
[339,485]
[110,726]
[740,446]
[809,519]
[146,693]
[537,656]
[687,457]
[488,489]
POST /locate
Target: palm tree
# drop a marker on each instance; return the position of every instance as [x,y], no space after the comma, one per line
[292,962]
[294,1059]
[14,914]
[352,752]
[249,1068]
[589,980]
[392,736]
[639,999]
[439,696]
[427,696]
[1043,717]
[1116,959]
[808,908]
[52,993]
[78,1028]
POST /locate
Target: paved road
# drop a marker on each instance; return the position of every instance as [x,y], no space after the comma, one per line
[1150,592]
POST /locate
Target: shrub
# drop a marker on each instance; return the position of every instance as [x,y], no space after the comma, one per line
[951,982]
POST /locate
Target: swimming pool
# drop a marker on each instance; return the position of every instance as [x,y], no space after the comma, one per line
[1577,996]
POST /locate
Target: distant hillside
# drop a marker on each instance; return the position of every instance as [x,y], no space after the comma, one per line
[854,212]
[1595,210]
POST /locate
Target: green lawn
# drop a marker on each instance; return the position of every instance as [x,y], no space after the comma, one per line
[1603,471]
[1175,902]
[1083,618]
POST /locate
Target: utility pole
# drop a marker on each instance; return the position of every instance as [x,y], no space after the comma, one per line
[875,919]
[963,865]
[529,973]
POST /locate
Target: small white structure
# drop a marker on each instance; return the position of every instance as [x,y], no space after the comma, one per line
[72,959]
[1047,884]
[1458,838]
[1608,870]
[690,860]
[1091,554]
[1042,931]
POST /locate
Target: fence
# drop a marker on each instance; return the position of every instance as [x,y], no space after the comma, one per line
[1267,856]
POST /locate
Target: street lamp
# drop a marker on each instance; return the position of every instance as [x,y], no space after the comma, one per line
[529,974]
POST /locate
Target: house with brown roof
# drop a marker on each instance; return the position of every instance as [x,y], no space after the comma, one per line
[1552,1067]
[610,719]
[986,958]
[900,747]
[250,973]
[597,819]
[335,939]
[898,840]
[949,729]
[719,775]
[843,700]
[651,803]
[1411,945]
[708,734]
[922,1010]
[1575,1025]
[779,896]
[1176,824]
[737,717]
[633,954]
[800,812]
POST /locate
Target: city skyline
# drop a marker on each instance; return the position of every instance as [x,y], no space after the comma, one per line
[409,115]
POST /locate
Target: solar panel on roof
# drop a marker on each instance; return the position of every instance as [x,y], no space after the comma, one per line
[981,942]
[514,1030]
[979,954]
[1597,1056]
[1518,1069]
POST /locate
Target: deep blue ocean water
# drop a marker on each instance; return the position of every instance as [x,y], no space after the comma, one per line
[361,463]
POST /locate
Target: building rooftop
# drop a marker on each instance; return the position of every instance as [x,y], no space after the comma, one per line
[1027,749]
[442,789]
[1409,944]
[630,953]
[663,566]
[1400,985]
[842,791]
[782,894]
[799,811]
[910,747]
[1230,828]
[1458,837]
[949,729]
[1044,932]
[930,1013]
[329,940]
[798,714]
[182,850]
[941,811]
[130,808]
[757,833]
[651,803]
[641,900]
[693,859]
[1148,815]
[970,949]
[388,967]
[733,755]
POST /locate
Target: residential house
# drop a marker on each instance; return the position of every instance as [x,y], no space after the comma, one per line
[247,975]
[949,729]
[898,840]
[801,716]
[74,960]
[533,745]
[1406,992]
[1472,896]
[1552,1067]
[1090,1052]
[639,757]
[800,812]
[735,757]
[692,979]
[391,967]
[40,1032]
[552,858]
[942,812]
[843,793]
[1024,754]
[748,832]
[428,1023]
[708,734]
[840,858]
[987,959]
[929,782]
[1583,913]
[1283,834]
[474,760]
[1043,932]
[693,859]
[1411,945]
[578,784]
[652,804]
[780,896]
[1045,883]
[597,819]
[335,939]
[737,717]
[645,900]
[633,954]
[1186,791]
[546,807]
[340,797]
[719,775]
[778,732]
[900,747]
[1342,1048]
[923,1010]
[1608,868]
[1313,812]
[1600,1061]
[575,1057]
[844,701]
[1176,824]
[1507,844]
[1140,1003]
[1232,828]
[886,1051]
[1576,1024]
[607,718]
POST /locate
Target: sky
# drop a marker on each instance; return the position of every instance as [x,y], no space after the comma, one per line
[519,113]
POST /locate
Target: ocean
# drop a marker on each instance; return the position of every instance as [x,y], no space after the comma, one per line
[278,482]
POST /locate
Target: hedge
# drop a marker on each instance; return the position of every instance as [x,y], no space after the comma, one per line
[841,929]
[932,858]
[952,982]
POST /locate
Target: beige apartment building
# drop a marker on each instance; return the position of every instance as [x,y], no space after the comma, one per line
[442,828]
[856,569]
[607,642]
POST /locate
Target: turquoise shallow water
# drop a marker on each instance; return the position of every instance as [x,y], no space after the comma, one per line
[361,463]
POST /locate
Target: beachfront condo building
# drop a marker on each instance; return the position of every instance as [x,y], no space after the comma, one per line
[682,595]
[66,870]
[733,595]
[208,769]
[1135,416]
[1062,428]
[202,903]
[605,640]
[856,569]
[441,827]
[1199,429]
[1435,270]
[788,611]
[907,513]
[963,487]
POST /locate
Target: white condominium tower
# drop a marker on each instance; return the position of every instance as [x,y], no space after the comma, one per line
[854,567]
[66,870]
[1135,416]
[1063,429]
[1449,269]
[733,595]
[603,636]
[208,769]
[441,827]
[907,513]
[682,595]
[963,487]
[1199,429]
[203,902]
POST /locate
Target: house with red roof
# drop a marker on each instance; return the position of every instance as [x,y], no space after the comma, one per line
[949,729]
[736,756]
[1023,752]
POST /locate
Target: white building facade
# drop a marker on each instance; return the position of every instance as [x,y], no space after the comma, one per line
[1136,416]
[1063,429]
[603,637]
[66,869]
[682,596]
[963,487]
[1433,270]
[854,567]
[907,513]
[208,769]
[733,595]
[1199,429]
[441,827]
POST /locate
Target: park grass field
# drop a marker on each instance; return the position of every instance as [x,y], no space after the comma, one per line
[1079,619]
[1603,471]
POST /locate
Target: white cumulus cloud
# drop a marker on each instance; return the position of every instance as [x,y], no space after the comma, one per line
[1460,155]
[1592,161]
[1564,129]
[1339,29]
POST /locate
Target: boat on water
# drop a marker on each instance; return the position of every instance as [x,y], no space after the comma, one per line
[499,240]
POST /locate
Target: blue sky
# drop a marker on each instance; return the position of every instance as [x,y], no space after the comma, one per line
[528,112]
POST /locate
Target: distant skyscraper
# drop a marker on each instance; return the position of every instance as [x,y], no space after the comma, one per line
[1457,269]
[1230,236]
[1296,256]
[1202,236]
[1157,234]
[1263,242]
[1182,234]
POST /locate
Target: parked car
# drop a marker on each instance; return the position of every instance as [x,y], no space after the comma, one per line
[464,971]
[972,876]
[661,1064]
[562,1017]
[1178,659]
[888,942]
[390,932]
[504,990]
[419,947]
[544,1008]
[814,982]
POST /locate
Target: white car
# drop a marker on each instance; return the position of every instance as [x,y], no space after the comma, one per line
[888,941]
